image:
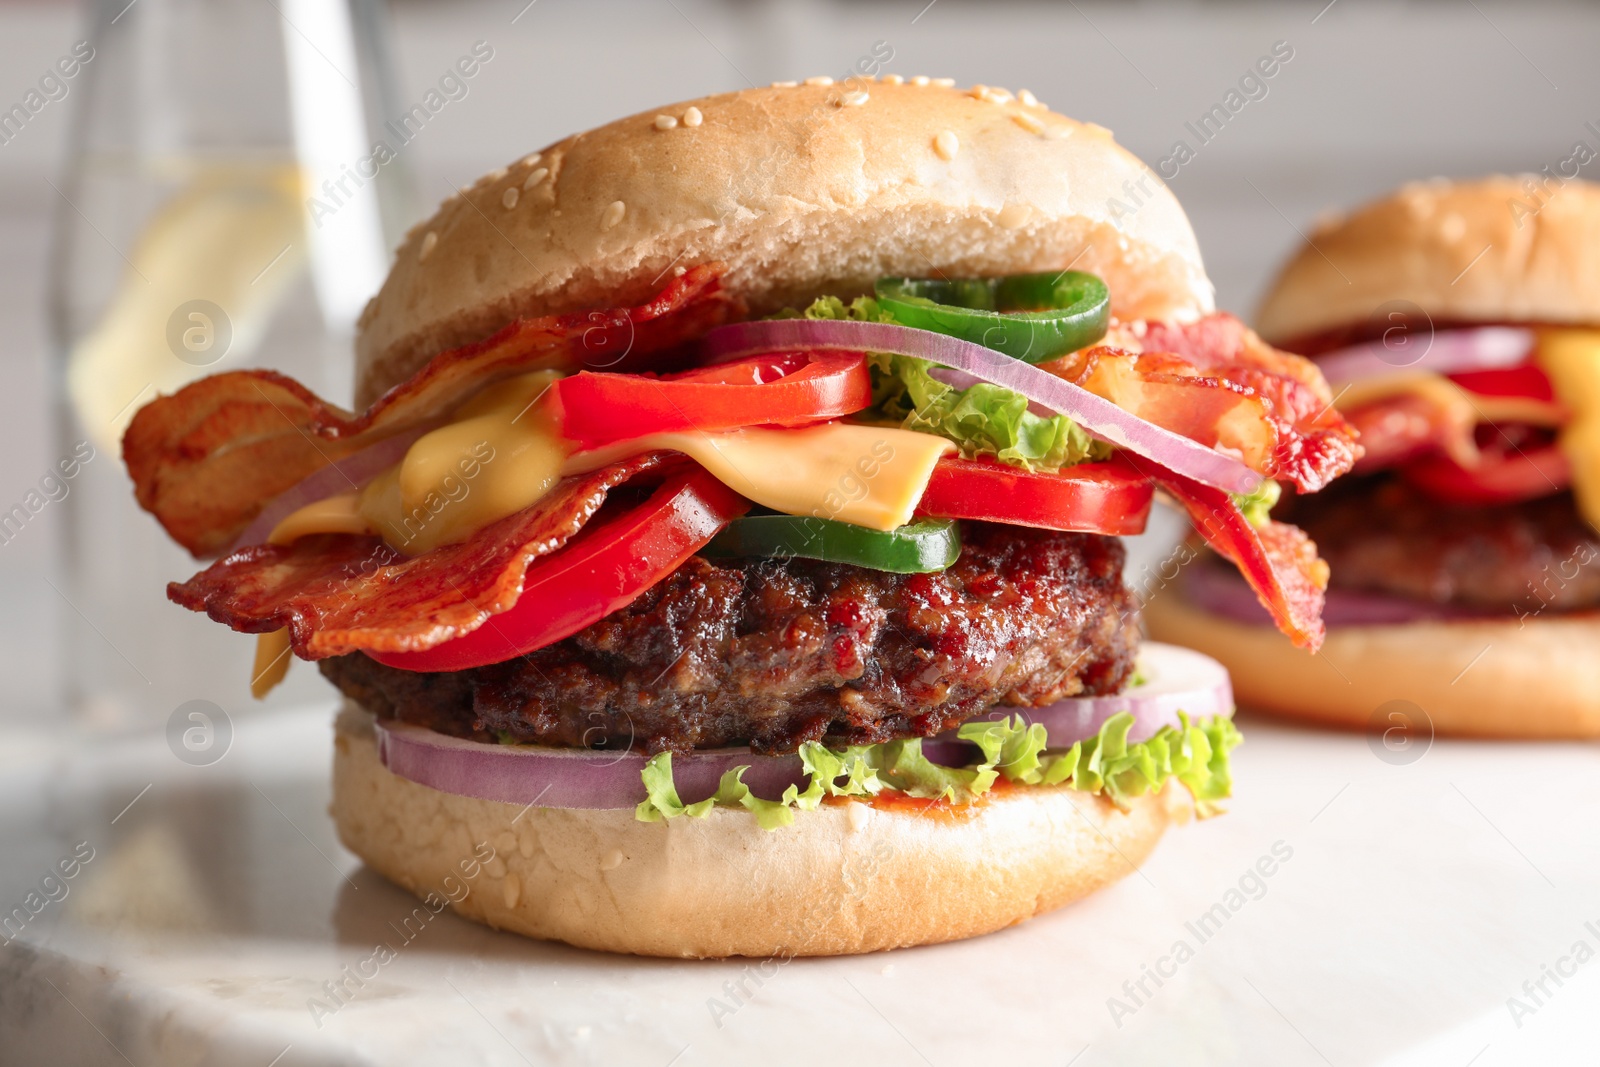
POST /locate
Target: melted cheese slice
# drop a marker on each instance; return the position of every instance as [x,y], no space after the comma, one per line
[868,476]
[334,514]
[1463,409]
[1426,383]
[471,473]
[272,662]
[1571,359]
[498,456]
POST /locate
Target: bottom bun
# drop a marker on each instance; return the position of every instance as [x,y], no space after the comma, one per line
[845,878]
[1512,678]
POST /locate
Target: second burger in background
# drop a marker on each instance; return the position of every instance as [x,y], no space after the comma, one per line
[1457,324]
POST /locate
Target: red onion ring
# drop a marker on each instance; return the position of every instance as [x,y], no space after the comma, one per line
[960,379]
[1095,414]
[1175,679]
[586,778]
[1445,352]
[351,472]
[1220,591]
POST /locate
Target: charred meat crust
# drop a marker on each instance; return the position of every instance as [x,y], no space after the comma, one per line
[772,653]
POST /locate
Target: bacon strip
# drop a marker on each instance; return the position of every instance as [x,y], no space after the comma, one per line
[1216,382]
[1405,426]
[1279,561]
[1220,342]
[208,458]
[338,593]
[1409,414]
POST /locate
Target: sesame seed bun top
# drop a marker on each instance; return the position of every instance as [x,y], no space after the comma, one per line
[800,190]
[1500,249]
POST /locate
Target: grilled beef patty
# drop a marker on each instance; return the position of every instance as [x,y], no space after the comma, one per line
[772,653]
[1379,534]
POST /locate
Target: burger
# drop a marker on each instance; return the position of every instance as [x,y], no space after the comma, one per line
[725,559]
[1457,323]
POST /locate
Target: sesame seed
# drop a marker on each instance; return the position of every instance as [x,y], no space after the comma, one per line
[946,145]
[1027,98]
[821,79]
[1014,216]
[920,79]
[1028,122]
[429,240]
[509,197]
[692,117]
[666,122]
[893,79]
[784,85]
[613,214]
[535,177]
[492,177]
[855,99]
[943,83]
[532,159]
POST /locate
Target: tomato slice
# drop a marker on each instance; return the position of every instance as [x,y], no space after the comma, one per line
[1524,381]
[775,389]
[1104,498]
[1503,477]
[599,571]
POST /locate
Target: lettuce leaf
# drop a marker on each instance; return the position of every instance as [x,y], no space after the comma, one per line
[824,766]
[861,309]
[661,793]
[770,814]
[983,419]
[1196,753]
[1257,506]
[905,768]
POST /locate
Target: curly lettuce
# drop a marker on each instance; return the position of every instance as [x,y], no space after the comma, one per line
[824,767]
[983,419]
[1195,752]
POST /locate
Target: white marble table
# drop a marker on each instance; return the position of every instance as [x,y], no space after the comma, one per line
[1415,900]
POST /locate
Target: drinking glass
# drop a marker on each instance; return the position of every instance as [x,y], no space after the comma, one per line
[221,208]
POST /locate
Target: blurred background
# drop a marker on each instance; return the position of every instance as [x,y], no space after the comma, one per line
[179,169]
